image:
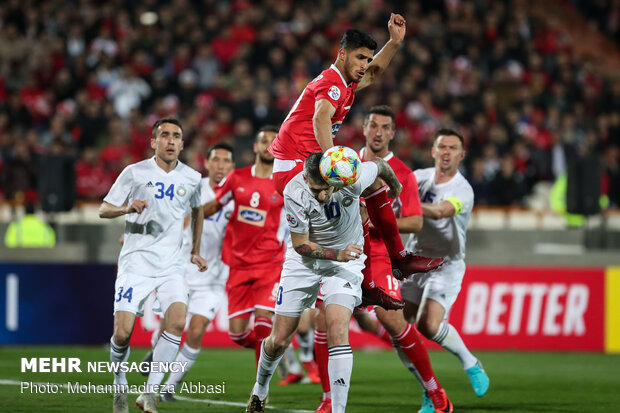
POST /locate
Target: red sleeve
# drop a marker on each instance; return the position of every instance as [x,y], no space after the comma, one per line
[327,89]
[224,192]
[410,197]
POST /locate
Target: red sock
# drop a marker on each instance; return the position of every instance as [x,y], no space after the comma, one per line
[322,358]
[383,334]
[412,345]
[382,217]
[246,339]
[368,282]
[262,329]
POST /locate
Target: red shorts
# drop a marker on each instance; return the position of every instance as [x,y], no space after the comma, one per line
[382,276]
[280,179]
[250,289]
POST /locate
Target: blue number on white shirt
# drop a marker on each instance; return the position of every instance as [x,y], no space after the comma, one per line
[429,197]
[279,297]
[332,210]
[128,294]
[214,217]
[160,191]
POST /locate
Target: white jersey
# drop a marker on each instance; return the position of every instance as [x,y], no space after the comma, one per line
[443,237]
[213,231]
[334,224]
[154,238]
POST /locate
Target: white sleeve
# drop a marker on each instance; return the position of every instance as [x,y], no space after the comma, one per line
[119,193]
[194,201]
[368,174]
[296,215]
[466,196]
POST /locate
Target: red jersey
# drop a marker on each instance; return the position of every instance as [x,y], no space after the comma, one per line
[407,203]
[296,138]
[252,238]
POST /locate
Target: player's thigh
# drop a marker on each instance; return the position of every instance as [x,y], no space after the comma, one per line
[383,277]
[206,302]
[131,291]
[344,287]
[265,288]
[297,290]
[173,290]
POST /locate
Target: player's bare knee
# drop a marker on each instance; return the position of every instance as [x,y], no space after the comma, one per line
[337,333]
[428,328]
[121,336]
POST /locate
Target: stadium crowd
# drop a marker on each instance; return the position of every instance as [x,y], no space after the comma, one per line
[89,79]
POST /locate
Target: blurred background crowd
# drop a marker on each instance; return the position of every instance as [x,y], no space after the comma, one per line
[83,81]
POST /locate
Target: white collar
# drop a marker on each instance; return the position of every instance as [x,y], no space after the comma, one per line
[386,158]
[333,67]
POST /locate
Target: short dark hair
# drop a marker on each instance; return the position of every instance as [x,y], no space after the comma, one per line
[354,39]
[448,132]
[164,120]
[312,168]
[221,145]
[267,128]
[383,110]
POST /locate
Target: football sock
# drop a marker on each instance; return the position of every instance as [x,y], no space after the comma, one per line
[186,355]
[266,366]
[448,338]
[368,281]
[306,346]
[406,362]
[155,337]
[322,359]
[164,352]
[383,334]
[382,217]
[293,365]
[262,329]
[246,339]
[118,354]
[411,344]
[340,367]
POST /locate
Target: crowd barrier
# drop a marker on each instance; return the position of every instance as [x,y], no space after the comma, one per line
[499,308]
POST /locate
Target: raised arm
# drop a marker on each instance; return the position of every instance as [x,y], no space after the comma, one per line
[322,123]
[386,173]
[107,210]
[396,27]
[307,248]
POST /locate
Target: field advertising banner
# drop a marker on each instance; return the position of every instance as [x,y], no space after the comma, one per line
[499,308]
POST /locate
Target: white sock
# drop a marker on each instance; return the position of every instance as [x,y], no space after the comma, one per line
[155,337]
[293,365]
[118,354]
[406,362]
[306,346]
[448,338]
[165,350]
[266,366]
[340,366]
[186,355]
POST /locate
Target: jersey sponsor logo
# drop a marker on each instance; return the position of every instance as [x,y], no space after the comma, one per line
[181,191]
[336,127]
[347,201]
[291,220]
[149,184]
[334,92]
[252,216]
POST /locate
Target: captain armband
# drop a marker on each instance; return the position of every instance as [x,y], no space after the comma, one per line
[456,203]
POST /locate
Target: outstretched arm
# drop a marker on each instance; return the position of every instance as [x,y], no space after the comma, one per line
[307,248]
[446,208]
[385,174]
[107,210]
[396,27]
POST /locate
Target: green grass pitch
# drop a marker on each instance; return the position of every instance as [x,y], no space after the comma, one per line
[520,382]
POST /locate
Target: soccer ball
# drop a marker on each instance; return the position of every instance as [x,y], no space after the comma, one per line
[340,166]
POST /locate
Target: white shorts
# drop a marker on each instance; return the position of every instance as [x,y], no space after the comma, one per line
[442,285]
[132,290]
[299,285]
[206,301]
